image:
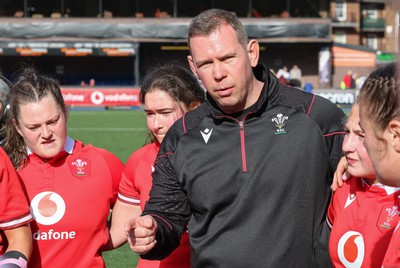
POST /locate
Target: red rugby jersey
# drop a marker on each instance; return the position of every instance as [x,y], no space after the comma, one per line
[70,199]
[134,189]
[14,208]
[392,256]
[362,218]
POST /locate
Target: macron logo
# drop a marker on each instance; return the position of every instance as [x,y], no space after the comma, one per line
[350,199]
[206,134]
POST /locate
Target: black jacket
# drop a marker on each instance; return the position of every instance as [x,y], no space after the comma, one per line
[253,187]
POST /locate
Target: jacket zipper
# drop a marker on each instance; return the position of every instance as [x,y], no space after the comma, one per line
[242,139]
[243,146]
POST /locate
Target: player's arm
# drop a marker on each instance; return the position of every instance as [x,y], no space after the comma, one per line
[121,213]
[19,247]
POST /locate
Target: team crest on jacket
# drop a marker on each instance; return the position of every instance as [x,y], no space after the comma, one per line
[206,134]
[387,218]
[80,167]
[280,123]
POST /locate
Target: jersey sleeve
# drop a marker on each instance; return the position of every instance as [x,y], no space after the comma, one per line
[128,192]
[14,208]
[330,215]
[115,167]
[392,255]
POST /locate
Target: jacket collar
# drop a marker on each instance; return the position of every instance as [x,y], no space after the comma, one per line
[268,93]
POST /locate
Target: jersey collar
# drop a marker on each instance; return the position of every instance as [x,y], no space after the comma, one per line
[388,189]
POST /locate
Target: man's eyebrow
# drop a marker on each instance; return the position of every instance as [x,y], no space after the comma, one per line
[159,110]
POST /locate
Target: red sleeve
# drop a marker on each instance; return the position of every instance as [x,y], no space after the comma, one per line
[128,192]
[14,208]
[115,167]
[392,256]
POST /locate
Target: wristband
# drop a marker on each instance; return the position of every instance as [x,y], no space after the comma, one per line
[13,259]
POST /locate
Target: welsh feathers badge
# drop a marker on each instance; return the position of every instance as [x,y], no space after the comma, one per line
[80,167]
[388,217]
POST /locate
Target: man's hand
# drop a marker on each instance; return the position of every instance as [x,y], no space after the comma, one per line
[340,175]
[141,234]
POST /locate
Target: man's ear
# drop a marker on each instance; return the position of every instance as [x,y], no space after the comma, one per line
[253,50]
[394,134]
[191,65]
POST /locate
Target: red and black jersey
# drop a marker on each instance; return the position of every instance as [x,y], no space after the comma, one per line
[14,208]
[362,218]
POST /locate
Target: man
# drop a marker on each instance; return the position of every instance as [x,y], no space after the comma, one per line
[249,170]
[295,76]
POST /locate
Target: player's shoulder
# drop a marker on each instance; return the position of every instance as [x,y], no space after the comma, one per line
[308,103]
[4,158]
[181,127]
[3,154]
[92,152]
[190,120]
[326,114]
[146,150]
[325,110]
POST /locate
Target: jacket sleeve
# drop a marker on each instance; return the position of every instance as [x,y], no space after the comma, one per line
[168,204]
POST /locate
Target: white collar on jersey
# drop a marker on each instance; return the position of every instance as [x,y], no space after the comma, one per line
[389,190]
[68,146]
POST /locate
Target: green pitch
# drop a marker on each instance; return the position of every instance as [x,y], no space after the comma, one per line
[121,132]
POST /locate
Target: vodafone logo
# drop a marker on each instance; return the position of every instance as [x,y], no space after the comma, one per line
[351,249]
[97,97]
[47,208]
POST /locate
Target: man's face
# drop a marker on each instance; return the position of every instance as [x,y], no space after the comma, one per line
[224,67]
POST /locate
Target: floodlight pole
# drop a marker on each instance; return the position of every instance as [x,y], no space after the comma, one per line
[26,8]
[101,8]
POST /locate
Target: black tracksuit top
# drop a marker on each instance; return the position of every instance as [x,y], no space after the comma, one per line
[253,189]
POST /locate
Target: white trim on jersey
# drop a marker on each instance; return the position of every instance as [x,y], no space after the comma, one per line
[128,199]
[15,222]
[328,222]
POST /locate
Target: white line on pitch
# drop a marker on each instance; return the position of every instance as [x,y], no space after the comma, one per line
[106,129]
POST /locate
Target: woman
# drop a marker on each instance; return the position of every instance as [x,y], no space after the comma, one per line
[71,186]
[363,213]
[380,120]
[15,233]
[167,93]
